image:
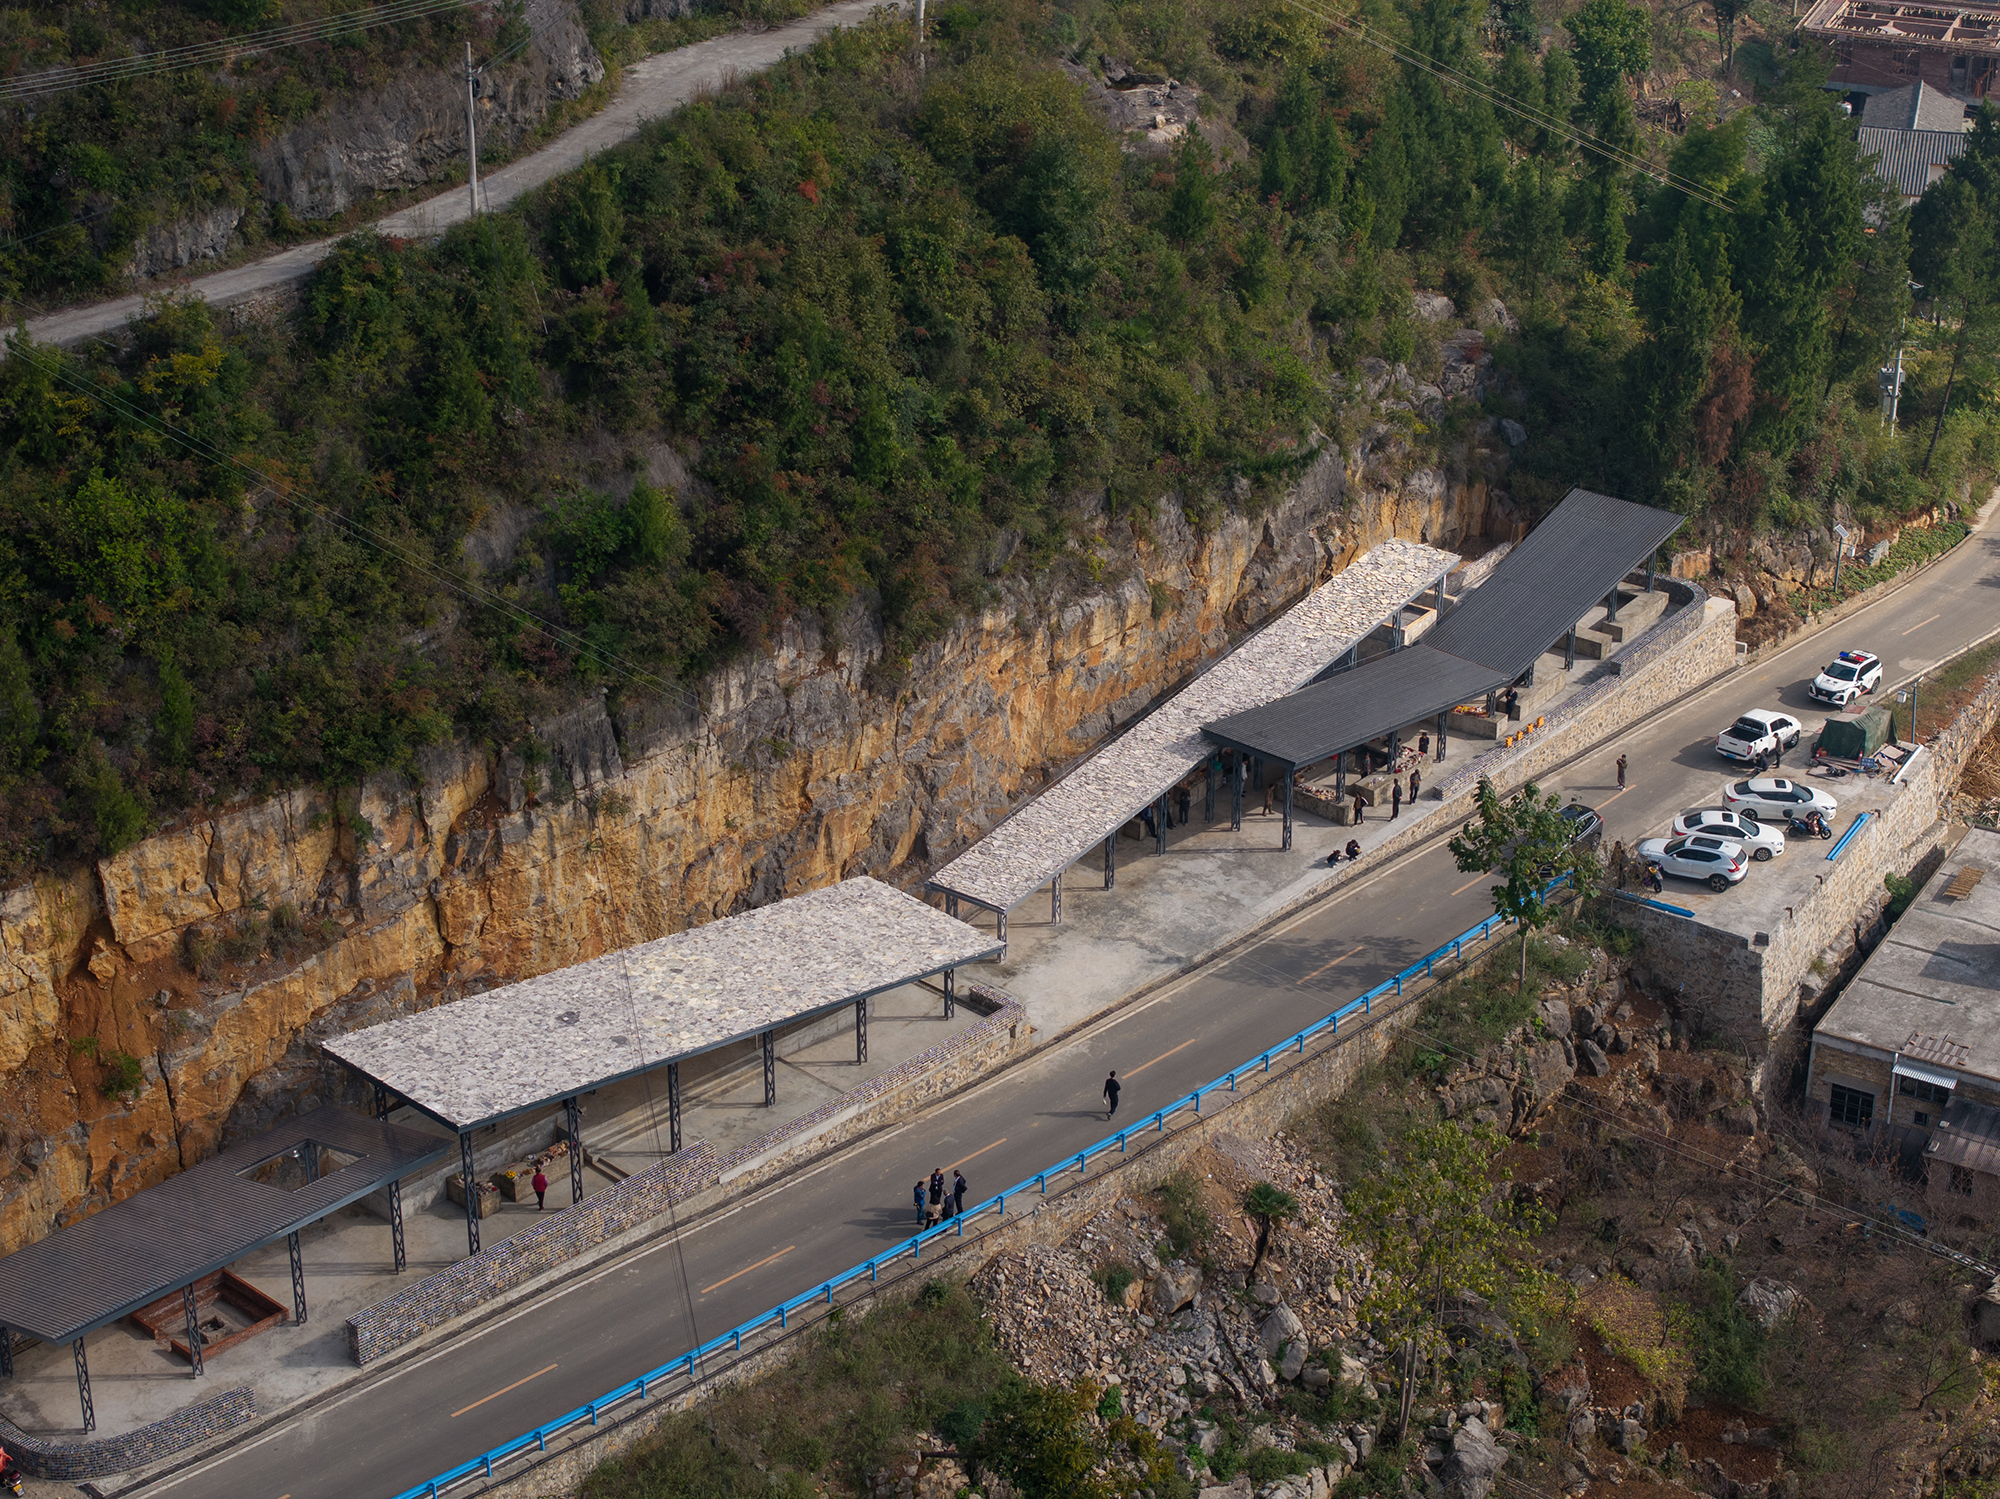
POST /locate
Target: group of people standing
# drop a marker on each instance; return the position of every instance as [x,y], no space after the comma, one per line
[935,1201]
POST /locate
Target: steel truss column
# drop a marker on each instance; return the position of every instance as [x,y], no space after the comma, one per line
[298,1280]
[1340,777]
[381,1102]
[950,903]
[1443,719]
[1111,860]
[471,1194]
[1651,563]
[1290,775]
[396,1227]
[1055,900]
[83,1386]
[674,1103]
[1611,605]
[1569,651]
[194,1330]
[6,1351]
[573,1116]
[950,992]
[1003,935]
[860,1031]
[769,1042]
[1208,783]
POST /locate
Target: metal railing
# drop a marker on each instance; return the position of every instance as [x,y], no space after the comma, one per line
[670,1375]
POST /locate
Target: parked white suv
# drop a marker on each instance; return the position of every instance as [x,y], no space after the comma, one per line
[1847,676]
[1714,861]
[1763,842]
[1760,731]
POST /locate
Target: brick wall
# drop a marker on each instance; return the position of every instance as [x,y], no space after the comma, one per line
[70,1461]
[557,1240]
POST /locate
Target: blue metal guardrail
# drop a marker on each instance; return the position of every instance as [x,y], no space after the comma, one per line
[1657,905]
[1848,837]
[912,1248]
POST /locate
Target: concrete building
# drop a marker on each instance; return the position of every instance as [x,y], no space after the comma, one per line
[1916,1035]
[1963,1161]
[1886,44]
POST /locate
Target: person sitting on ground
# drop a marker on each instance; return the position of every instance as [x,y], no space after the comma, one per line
[1353,850]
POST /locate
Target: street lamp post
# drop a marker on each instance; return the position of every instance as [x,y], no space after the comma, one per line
[1840,534]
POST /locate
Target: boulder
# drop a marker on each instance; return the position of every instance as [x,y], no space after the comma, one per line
[1353,1374]
[1513,431]
[1175,1287]
[1555,1018]
[1494,314]
[1434,307]
[1769,1302]
[1316,1377]
[1281,1327]
[1590,1058]
[1294,1360]
[1627,1436]
[1473,1462]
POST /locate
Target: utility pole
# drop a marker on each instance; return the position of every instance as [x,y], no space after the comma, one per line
[1839,555]
[920,36]
[471,128]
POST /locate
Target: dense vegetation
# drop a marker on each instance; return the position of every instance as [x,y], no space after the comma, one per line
[909,329]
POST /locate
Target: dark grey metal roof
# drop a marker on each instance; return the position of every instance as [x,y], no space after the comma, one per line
[1968,1135]
[89,1274]
[1376,697]
[1568,563]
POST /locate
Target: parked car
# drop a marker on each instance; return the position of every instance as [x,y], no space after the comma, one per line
[1714,861]
[1775,797]
[1846,677]
[1585,826]
[1760,731]
[1762,841]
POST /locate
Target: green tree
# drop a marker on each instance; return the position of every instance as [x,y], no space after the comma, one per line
[1191,208]
[587,224]
[1561,92]
[1520,80]
[173,725]
[1039,1438]
[1535,240]
[1270,1206]
[1612,41]
[20,715]
[1670,370]
[1435,1221]
[1526,841]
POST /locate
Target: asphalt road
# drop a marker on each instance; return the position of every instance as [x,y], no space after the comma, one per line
[605,1328]
[651,87]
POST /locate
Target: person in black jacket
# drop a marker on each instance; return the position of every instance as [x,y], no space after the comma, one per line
[1111,1090]
[958,1190]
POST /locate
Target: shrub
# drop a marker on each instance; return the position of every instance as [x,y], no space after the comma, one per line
[1114,1279]
[1189,1226]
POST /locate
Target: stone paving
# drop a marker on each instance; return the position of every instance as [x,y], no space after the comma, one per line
[1099,796]
[569,1031]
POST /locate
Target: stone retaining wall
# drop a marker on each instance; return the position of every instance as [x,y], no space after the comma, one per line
[556,1242]
[70,1461]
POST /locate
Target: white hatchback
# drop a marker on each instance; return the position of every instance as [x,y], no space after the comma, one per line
[1774,796]
[1764,841]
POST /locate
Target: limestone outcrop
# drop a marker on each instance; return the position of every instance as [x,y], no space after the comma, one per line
[171,998]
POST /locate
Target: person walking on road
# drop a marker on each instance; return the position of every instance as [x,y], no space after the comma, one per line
[1111,1090]
[1395,799]
[541,1186]
[918,1198]
[958,1190]
[1621,772]
[1618,863]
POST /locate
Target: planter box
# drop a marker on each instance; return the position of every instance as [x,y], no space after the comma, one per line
[489,1199]
[228,1309]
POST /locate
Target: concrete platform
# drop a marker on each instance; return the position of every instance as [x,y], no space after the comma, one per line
[348,1257]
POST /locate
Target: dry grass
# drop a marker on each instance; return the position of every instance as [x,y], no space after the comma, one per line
[1633,1325]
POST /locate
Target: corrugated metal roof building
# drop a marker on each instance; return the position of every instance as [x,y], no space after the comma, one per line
[1911,160]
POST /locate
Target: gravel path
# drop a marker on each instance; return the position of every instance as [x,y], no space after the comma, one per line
[655,86]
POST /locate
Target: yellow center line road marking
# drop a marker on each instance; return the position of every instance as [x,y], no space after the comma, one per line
[1614,796]
[1160,1058]
[1341,959]
[496,1394]
[1470,883]
[748,1268]
[978,1153]
[1922,622]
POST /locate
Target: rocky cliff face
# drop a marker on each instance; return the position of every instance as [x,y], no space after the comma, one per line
[173,997]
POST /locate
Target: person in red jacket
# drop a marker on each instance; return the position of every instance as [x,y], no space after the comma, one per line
[541,1186]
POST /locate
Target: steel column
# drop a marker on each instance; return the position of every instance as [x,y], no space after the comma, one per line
[471,1194]
[860,1031]
[950,992]
[194,1329]
[1055,900]
[1651,563]
[1443,720]
[1111,860]
[298,1280]
[6,1351]
[1160,825]
[1569,651]
[83,1386]
[769,1042]
[1208,785]
[1611,605]
[1340,776]
[573,1116]
[396,1226]
[1290,776]
[1003,934]
[950,903]
[1236,795]
[674,1107]
[381,1102]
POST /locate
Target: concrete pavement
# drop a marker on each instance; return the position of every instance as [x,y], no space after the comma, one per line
[652,87]
[583,1338]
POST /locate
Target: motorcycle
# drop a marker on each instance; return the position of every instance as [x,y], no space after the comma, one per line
[1651,879]
[1812,825]
[10,1479]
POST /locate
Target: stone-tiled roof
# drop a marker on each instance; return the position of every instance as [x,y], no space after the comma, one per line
[1095,799]
[549,1038]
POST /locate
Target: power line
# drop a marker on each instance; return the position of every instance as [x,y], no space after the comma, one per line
[1456,78]
[223,49]
[471,592]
